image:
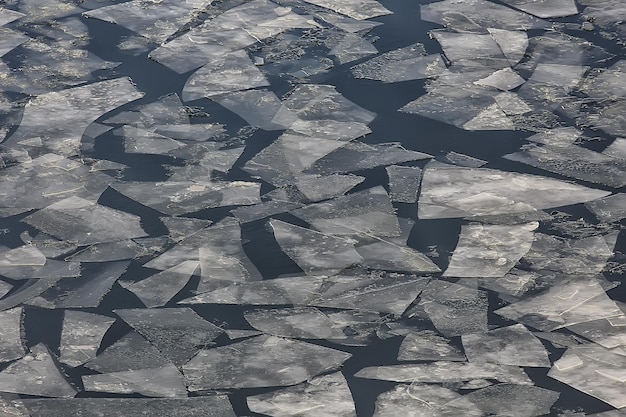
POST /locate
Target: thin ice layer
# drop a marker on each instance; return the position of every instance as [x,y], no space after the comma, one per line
[260,108]
[81,336]
[324,396]
[490,251]
[512,400]
[449,191]
[545,8]
[403,183]
[358,9]
[11,346]
[609,209]
[263,361]
[427,345]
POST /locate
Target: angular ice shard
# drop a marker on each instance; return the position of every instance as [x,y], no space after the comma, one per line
[180,228]
[175,198]
[351,47]
[423,400]
[166,110]
[8,16]
[323,396]
[595,371]
[60,118]
[606,84]
[513,44]
[10,39]
[158,289]
[450,191]
[545,8]
[394,255]
[315,252]
[329,129]
[511,400]
[403,183]
[36,374]
[561,136]
[491,118]
[228,73]
[11,346]
[317,188]
[177,332]
[512,345]
[358,9]
[145,142]
[264,361]
[109,251]
[262,210]
[505,79]
[364,213]
[617,149]
[205,406]
[462,46]
[84,292]
[609,209]
[155,21]
[441,371]
[489,251]
[463,160]
[576,162]
[166,381]
[85,222]
[609,333]
[427,345]
[571,299]
[81,336]
[260,108]
[47,179]
[27,255]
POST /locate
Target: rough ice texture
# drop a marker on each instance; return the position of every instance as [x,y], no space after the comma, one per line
[11,346]
[360,9]
[81,336]
[511,400]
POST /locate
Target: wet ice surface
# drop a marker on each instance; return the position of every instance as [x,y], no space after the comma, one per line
[312,208]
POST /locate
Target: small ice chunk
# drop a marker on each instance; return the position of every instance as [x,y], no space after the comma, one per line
[403,183]
[11,346]
[81,336]
[197,132]
[298,322]
[463,160]
[461,46]
[205,406]
[177,332]
[351,48]
[560,136]
[27,255]
[505,79]
[511,104]
[545,8]
[513,45]
[329,129]
[315,252]
[317,188]
[617,149]
[512,345]
[491,118]
[442,371]
[263,361]
[323,396]
[142,141]
[260,108]
[10,39]
[511,400]
[609,209]
[346,23]
[158,289]
[490,251]
[36,374]
[427,345]
[85,222]
[180,228]
[603,332]
[262,210]
[109,251]
[450,191]
[357,9]
[423,400]
[394,255]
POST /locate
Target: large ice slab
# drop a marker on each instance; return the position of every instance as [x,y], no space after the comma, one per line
[11,346]
[324,396]
[260,108]
[263,361]
[403,183]
[427,345]
[81,336]
[449,191]
[8,16]
[545,8]
[512,400]
[609,209]
[358,9]
[166,381]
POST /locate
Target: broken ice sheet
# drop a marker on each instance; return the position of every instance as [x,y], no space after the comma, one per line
[512,345]
[175,198]
[177,332]
[472,46]
[450,191]
[27,255]
[576,162]
[511,400]
[570,299]
[262,210]
[145,142]
[227,73]
[455,309]
[463,160]
[155,21]
[81,336]
[609,209]
[358,9]
[317,188]
[329,129]
[595,371]
[11,346]
[606,83]
[260,108]
[403,183]
[166,381]
[617,149]
[323,396]
[545,8]
[351,48]
[427,345]
[8,16]
[160,288]
[609,333]
[109,251]
[83,292]
[205,406]
[85,222]
[313,251]
[60,118]
[490,251]
[10,39]
[442,371]
[423,400]
[505,79]
[263,361]
[166,110]
[36,374]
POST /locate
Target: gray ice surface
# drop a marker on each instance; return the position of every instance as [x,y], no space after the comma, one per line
[81,336]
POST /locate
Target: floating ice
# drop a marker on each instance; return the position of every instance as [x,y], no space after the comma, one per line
[511,400]
[263,361]
[403,183]
[36,374]
[513,44]
[109,251]
[10,39]
[317,188]
[262,210]
[608,83]
[609,209]
[463,160]
[358,9]
[595,371]
[180,228]
[60,118]
[11,346]
[609,333]
[166,381]
[462,46]
[85,222]
[449,191]
[260,108]
[490,251]
[346,23]
[27,255]
[512,345]
[177,332]
[617,149]
[315,252]
[8,16]
[545,8]
[505,79]
[145,142]
[329,129]
[205,406]
[323,396]
[427,345]
[351,48]
[81,336]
